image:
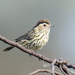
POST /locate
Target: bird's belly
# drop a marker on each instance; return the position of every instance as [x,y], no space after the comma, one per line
[38,44]
[35,44]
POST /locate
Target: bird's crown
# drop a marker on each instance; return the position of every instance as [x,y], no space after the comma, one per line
[42,21]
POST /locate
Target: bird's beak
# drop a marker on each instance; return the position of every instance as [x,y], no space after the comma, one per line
[51,25]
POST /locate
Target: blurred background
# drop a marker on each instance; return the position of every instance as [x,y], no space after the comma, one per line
[19,16]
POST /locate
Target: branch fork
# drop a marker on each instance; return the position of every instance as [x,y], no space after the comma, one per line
[63,65]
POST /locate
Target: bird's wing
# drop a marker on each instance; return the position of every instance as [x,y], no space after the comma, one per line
[28,36]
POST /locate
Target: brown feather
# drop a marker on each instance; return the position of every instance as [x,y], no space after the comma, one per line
[42,21]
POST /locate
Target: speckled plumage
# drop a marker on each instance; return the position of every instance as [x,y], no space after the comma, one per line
[36,38]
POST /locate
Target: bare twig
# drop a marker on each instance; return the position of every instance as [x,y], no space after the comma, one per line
[62,70]
[25,50]
[53,68]
[65,69]
[57,63]
[43,70]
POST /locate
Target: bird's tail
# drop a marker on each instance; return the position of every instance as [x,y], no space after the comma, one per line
[8,48]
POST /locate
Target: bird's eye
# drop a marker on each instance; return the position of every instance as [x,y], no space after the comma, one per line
[44,25]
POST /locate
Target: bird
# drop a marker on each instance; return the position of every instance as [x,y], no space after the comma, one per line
[36,38]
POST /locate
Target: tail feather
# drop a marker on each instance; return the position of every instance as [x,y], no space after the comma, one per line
[8,48]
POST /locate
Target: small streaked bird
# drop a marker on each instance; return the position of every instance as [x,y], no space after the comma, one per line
[36,38]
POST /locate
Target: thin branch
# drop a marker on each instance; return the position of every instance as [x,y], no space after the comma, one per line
[65,69]
[53,68]
[25,50]
[43,70]
[62,70]
[57,63]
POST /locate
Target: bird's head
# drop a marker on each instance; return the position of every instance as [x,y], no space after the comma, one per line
[43,25]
